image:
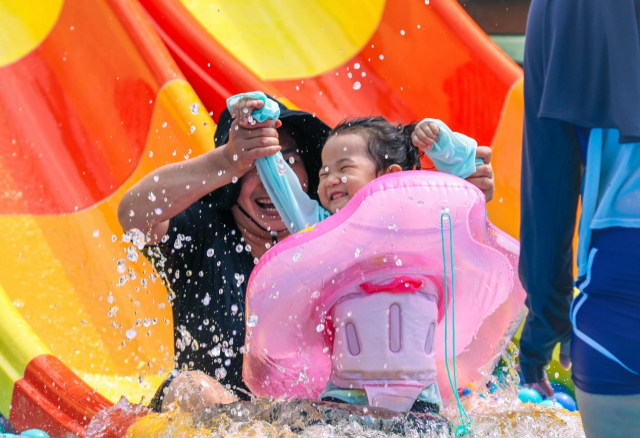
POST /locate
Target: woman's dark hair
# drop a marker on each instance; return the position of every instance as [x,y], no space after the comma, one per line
[387,143]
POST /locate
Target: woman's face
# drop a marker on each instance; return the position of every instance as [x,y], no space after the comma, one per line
[346,168]
[254,198]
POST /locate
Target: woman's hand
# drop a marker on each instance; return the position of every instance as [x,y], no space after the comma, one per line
[425,135]
[483,178]
[245,145]
[242,109]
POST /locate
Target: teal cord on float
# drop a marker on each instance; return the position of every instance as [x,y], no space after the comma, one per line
[465,427]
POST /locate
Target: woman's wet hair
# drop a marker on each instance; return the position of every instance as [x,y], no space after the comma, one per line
[387,144]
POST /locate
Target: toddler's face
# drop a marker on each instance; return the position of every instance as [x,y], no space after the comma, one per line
[346,168]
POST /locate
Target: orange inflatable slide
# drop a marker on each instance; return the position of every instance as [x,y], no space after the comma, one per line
[95,94]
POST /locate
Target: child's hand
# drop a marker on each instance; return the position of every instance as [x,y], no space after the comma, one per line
[425,135]
[241,110]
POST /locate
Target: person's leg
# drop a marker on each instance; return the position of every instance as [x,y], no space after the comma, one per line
[609,416]
[192,391]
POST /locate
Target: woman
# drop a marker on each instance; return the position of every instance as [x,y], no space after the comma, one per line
[216,223]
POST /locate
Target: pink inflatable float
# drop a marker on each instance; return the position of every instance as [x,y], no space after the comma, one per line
[358,300]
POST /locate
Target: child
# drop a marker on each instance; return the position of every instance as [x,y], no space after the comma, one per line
[359,150]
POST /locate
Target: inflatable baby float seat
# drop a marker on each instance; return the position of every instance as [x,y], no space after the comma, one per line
[369,349]
[352,267]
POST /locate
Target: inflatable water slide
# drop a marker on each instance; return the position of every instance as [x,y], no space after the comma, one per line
[95,94]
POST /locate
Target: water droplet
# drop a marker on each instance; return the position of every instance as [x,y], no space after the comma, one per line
[146,322]
[131,333]
[152,197]
[420,203]
[381,57]
[234,179]
[349,75]
[195,108]
[164,124]
[356,85]
[114,238]
[173,153]
[156,178]
[326,168]
[132,213]
[292,160]
[235,157]
[364,75]
[121,266]
[358,252]
[501,199]
[132,254]
[150,154]
[96,233]
[398,262]
[158,211]
[247,248]
[221,373]
[234,309]
[296,257]
[426,2]
[402,32]
[320,327]
[177,244]
[18,303]
[281,167]
[356,65]
[210,252]
[315,294]
[207,299]
[252,321]
[343,179]
[393,227]
[349,313]
[193,129]
[239,248]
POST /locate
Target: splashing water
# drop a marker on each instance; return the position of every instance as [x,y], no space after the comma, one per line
[252,321]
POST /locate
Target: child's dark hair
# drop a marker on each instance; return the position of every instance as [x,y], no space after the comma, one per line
[387,144]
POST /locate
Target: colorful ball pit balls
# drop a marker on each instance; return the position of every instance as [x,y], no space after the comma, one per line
[566,401]
[550,404]
[31,433]
[529,395]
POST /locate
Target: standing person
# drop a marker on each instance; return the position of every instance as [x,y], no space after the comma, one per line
[582,106]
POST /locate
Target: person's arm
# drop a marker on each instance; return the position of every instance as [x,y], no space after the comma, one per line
[456,154]
[176,186]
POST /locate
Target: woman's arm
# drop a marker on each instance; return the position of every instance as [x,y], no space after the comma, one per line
[176,186]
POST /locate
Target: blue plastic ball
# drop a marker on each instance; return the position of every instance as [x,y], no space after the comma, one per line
[529,395]
[549,404]
[466,391]
[565,401]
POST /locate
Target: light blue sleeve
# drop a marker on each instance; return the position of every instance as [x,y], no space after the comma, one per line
[297,209]
[270,110]
[453,153]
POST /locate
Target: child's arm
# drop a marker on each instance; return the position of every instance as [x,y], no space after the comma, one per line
[451,152]
[295,206]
